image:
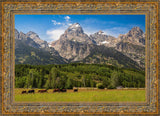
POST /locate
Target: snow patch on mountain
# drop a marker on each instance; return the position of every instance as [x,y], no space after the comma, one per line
[76,25]
[101,33]
[105,42]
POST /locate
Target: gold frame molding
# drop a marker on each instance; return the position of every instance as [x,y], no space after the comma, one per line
[149,9]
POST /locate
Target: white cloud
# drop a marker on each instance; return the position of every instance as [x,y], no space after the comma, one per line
[67,21]
[55,33]
[56,23]
[67,18]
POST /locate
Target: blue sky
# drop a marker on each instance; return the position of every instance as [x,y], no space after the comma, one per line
[50,27]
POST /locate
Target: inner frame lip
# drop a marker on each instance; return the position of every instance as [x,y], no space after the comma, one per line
[124,103]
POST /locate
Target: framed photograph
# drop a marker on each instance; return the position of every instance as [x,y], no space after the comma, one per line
[79,57]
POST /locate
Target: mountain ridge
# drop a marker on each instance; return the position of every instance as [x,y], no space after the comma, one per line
[74,45]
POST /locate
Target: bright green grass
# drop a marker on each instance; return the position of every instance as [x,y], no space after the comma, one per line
[85,96]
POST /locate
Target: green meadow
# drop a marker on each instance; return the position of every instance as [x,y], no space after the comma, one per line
[131,95]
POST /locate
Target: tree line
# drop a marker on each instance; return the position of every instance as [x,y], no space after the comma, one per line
[77,75]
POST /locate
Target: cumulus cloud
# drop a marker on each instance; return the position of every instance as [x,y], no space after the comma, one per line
[67,18]
[55,33]
[66,21]
[56,23]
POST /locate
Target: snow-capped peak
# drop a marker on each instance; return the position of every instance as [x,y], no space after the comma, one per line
[101,33]
[75,25]
[75,28]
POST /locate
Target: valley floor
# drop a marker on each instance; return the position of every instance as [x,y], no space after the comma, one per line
[83,95]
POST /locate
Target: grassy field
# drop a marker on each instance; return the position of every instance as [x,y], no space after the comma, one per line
[85,95]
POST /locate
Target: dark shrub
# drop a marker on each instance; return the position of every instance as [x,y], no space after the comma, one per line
[100,86]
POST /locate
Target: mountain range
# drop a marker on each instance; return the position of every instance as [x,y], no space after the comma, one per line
[74,45]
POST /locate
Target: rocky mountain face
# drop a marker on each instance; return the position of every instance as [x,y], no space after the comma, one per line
[74,45]
[134,36]
[36,38]
[71,50]
[24,39]
[110,56]
[30,49]
[101,38]
[75,33]
[135,52]
[132,45]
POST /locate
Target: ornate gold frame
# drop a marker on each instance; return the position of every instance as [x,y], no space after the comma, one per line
[149,9]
